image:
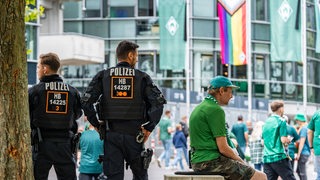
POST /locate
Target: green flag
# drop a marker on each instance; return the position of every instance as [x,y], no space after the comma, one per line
[172,44]
[285,35]
[317,9]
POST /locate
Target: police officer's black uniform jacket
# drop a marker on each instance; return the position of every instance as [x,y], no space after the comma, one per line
[54,108]
[128,98]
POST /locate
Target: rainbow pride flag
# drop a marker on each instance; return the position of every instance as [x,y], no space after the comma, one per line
[233,35]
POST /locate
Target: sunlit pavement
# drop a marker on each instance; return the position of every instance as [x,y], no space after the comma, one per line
[156,173]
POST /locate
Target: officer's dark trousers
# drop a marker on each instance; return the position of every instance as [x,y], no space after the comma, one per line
[117,148]
[57,154]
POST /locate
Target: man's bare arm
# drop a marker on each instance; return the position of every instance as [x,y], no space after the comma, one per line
[226,150]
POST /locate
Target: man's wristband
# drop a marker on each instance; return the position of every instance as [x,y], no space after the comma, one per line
[311,147]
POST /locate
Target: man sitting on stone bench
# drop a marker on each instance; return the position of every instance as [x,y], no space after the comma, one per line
[211,150]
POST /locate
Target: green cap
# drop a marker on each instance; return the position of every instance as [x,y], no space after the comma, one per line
[221,81]
[300,117]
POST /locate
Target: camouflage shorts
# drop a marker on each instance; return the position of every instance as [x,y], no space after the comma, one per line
[226,167]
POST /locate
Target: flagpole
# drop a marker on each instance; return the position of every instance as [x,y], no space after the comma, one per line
[304,53]
[187,60]
[248,57]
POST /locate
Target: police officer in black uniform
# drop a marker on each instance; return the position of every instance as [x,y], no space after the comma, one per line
[131,105]
[54,108]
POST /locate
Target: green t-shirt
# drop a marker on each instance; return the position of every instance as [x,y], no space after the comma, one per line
[207,121]
[293,133]
[91,147]
[239,129]
[274,128]
[314,125]
[164,124]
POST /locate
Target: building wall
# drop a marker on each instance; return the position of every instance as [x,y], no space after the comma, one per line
[137,20]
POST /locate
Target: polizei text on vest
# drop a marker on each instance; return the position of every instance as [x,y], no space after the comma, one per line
[56,86]
[121,71]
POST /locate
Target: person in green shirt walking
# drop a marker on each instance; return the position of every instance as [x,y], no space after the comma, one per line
[314,140]
[274,134]
[164,136]
[211,150]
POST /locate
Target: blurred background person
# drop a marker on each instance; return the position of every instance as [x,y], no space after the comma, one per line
[179,141]
[90,148]
[240,130]
[304,148]
[185,130]
[294,137]
[256,146]
[164,137]
[314,140]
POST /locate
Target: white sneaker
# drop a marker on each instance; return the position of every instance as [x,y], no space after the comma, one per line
[159,163]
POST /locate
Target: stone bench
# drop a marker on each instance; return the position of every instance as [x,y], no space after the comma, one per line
[191,175]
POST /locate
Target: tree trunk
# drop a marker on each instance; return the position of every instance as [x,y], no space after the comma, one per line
[15,151]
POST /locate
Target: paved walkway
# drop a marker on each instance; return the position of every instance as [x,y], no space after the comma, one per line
[156,173]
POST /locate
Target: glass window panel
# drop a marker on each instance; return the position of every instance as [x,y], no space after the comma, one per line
[243,86]
[311,53]
[299,93]
[207,69]
[259,67]
[92,13]
[259,89]
[96,28]
[299,73]
[222,69]
[72,10]
[289,76]
[145,8]
[91,70]
[93,4]
[122,29]
[32,72]
[72,26]
[276,71]
[276,75]
[203,8]
[122,2]
[311,39]
[261,32]
[146,63]
[311,71]
[261,48]
[72,71]
[205,45]
[203,28]
[290,91]
[239,72]
[122,11]
[148,27]
[311,17]
[317,75]
[216,29]
[261,10]
[276,89]
[317,95]
[289,71]
[310,94]
[31,42]
[178,81]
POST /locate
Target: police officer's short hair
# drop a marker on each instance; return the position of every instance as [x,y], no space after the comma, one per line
[124,47]
[50,59]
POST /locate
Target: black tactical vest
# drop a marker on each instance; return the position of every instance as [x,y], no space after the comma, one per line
[122,95]
[55,104]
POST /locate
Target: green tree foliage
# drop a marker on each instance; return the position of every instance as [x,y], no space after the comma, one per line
[32,13]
